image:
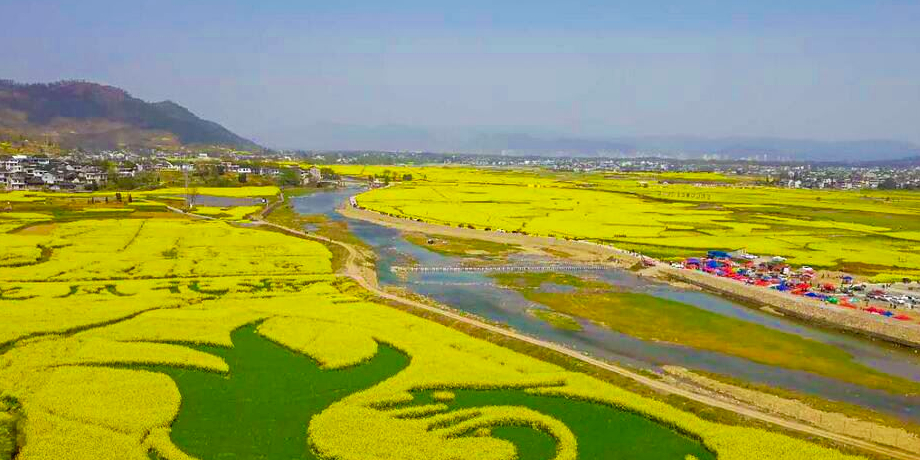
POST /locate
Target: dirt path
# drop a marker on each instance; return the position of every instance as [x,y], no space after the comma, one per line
[354,271]
[190,214]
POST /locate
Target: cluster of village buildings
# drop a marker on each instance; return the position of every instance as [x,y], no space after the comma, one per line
[22,172]
[778,174]
[788,175]
[843,178]
[92,172]
[82,171]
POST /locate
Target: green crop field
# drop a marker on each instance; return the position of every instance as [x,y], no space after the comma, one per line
[145,334]
[272,392]
[871,233]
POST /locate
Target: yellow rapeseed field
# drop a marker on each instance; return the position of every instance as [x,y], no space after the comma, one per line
[865,232]
[114,294]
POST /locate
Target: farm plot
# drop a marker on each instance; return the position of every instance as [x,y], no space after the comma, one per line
[136,337]
[159,248]
[866,232]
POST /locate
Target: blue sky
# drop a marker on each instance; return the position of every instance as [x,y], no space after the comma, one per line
[266,69]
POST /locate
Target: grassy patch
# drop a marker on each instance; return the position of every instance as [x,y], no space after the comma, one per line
[271,393]
[285,215]
[652,318]
[452,246]
[301,191]
[339,231]
[557,320]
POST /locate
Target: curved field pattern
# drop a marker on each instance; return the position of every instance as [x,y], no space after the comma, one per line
[136,339]
[262,407]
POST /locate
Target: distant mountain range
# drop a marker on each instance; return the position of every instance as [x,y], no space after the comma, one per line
[328,136]
[90,115]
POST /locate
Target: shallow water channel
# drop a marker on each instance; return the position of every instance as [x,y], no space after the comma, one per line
[477,294]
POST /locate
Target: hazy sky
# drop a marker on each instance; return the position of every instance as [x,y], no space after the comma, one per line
[825,69]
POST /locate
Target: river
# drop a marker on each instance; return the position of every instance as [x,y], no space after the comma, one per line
[476,293]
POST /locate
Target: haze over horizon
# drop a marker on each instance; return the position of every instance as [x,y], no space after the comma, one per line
[274,70]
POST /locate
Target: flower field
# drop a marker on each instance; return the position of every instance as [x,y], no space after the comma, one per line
[122,337]
[866,232]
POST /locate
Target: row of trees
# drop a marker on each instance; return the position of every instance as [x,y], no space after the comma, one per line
[388,176]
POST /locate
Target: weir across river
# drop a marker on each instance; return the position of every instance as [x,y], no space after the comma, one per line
[503,268]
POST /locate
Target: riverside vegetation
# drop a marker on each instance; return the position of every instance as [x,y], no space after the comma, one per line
[131,335]
[652,318]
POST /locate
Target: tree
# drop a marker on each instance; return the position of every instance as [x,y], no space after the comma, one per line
[111,174]
[209,174]
[328,173]
[888,184]
[289,177]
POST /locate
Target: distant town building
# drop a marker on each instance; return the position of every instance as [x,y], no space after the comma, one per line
[311,176]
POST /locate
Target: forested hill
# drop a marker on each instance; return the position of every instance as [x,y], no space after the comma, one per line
[90,115]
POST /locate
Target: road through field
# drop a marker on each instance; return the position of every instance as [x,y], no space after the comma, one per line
[354,270]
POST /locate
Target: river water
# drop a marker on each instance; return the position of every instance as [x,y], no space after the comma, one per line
[477,294]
